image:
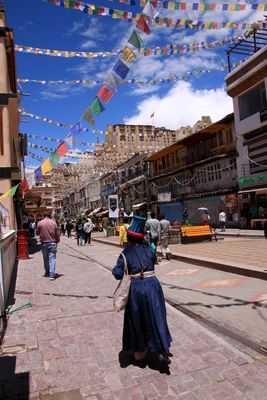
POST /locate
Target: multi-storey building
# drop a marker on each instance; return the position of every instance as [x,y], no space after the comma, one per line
[40,199]
[247,85]
[198,171]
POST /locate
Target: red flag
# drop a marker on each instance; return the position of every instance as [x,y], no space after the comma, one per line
[142,25]
[24,186]
[105,93]
[62,149]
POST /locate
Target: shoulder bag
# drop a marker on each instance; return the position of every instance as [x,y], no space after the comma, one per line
[121,294]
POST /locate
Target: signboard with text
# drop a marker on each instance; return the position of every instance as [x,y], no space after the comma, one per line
[113,206]
[163,197]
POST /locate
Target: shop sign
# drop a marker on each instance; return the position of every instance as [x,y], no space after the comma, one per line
[164,197]
[113,206]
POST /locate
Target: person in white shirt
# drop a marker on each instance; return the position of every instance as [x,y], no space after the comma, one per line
[222,220]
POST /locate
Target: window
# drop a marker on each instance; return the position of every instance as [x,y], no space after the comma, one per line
[229,136]
[213,141]
[252,101]
[220,138]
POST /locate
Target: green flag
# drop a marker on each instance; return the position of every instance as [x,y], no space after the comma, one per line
[10,192]
[135,40]
[97,106]
[54,159]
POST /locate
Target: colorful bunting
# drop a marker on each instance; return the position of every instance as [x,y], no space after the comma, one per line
[128,55]
[38,173]
[142,25]
[88,116]
[96,106]
[121,69]
[10,193]
[135,40]
[46,166]
[105,94]
[150,11]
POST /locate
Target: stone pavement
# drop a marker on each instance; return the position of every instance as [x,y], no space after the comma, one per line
[70,339]
[236,254]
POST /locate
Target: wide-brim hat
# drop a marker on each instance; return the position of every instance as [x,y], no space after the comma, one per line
[137,227]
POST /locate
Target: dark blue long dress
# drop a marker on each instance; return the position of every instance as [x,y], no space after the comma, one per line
[145,323]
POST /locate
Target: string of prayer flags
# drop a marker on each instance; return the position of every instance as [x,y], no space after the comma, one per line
[24,186]
[88,116]
[46,166]
[142,25]
[10,193]
[135,40]
[150,11]
[128,55]
[105,94]
[121,69]
[96,106]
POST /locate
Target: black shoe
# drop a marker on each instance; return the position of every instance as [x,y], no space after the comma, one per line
[164,359]
[140,363]
[46,275]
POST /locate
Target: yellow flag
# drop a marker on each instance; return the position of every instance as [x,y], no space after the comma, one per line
[128,55]
[46,166]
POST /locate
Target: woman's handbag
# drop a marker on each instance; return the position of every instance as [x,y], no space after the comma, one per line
[121,294]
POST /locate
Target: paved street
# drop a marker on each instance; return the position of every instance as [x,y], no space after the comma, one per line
[71,337]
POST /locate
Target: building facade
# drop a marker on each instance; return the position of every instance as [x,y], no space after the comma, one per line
[247,85]
[198,171]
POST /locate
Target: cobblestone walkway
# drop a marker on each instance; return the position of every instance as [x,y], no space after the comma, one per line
[71,337]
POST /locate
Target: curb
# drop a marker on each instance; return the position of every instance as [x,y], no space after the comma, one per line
[207,263]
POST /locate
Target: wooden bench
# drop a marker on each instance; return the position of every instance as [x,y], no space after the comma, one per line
[201,231]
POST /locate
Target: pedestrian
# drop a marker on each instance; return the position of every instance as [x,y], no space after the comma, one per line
[87,229]
[69,228]
[185,216]
[145,328]
[32,227]
[205,217]
[153,228]
[123,233]
[62,228]
[105,222]
[80,232]
[165,232]
[47,229]
[222,220]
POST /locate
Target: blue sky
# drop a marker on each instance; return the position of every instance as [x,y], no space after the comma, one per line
[39,24]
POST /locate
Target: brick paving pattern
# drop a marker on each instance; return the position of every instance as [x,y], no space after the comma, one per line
[71,337]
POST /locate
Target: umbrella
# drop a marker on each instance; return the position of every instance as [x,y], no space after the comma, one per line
[202,209]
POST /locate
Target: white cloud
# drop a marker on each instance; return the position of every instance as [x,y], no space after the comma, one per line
[182,106]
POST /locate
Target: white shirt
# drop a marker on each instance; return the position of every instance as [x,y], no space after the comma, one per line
[222,216]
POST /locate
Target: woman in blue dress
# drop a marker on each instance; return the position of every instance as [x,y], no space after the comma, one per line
[145,327]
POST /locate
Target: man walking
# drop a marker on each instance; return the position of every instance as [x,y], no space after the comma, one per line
[105,222]
[47,229]
[153,227]
[165,231]
[88,228]
[222,220]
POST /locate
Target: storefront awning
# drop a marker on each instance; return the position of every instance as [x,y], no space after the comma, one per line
[259,190]
[137,206]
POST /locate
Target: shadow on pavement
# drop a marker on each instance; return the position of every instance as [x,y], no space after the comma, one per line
[34,246]
[13,386]
[152,362]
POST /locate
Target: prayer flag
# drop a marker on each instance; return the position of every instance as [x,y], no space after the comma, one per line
[24,186]
[105,94]
[113,81]
[10,192]
[38,173]
[121,69]
[62,149]
[96,106]
[88,116]
[70,140]
[142,25]
[152,115]
[150,11]
[128,55]
[31,180]
[46,166]
[135,40]
[54,158]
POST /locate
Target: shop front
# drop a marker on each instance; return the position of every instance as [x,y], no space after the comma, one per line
[253,208]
